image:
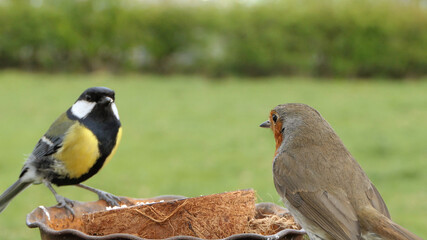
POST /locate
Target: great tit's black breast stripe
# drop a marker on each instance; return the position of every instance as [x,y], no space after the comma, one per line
[105,130]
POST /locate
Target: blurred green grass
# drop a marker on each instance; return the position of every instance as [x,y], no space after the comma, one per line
[193,136]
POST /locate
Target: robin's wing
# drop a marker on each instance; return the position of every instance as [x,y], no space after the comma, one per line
[331,212]
[52,139]
[377,201]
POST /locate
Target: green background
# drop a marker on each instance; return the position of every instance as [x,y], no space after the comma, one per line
[195,136]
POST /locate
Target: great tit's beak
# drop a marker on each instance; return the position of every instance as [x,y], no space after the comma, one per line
[265,124]
[106,100]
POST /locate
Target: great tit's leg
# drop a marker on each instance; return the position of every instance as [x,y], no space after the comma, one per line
[108,197]
[63,202]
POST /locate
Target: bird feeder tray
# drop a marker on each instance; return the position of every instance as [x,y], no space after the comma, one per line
[231,215]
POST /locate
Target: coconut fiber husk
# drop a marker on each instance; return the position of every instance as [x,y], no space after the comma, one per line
[209,217]
[271,219]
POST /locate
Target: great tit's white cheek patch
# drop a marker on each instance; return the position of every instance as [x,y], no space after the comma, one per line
[115,111]
[82,108]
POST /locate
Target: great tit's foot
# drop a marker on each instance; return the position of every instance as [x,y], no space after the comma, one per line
[109,198]
[66,203]
[62,201]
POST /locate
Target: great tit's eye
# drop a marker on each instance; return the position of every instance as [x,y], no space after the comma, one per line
[274,117]
[88,98]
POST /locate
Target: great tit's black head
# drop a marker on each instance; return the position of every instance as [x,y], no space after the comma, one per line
[101,95]
[95,98]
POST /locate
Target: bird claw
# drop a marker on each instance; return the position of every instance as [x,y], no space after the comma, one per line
[109,198]
[66,203]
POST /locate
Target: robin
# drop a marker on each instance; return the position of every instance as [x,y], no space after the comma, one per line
[321,183]
[75,147]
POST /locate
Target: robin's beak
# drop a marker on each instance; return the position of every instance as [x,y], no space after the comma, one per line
[265,124]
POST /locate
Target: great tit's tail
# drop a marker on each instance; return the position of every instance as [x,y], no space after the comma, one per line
[11,192]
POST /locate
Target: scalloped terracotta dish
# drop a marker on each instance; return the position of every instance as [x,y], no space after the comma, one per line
[57,223]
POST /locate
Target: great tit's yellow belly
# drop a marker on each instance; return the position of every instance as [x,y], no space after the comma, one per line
[79,151]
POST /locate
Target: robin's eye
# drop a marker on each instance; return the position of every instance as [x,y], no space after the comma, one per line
[274,117]
[88,97]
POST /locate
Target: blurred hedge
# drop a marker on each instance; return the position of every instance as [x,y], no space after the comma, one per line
[305,37]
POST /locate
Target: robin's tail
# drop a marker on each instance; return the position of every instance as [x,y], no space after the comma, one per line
[377,224]
[11,192]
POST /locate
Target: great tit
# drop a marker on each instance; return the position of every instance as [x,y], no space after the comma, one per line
[75,147]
